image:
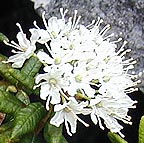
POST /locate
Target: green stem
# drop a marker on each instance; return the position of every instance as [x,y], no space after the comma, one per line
[44,120]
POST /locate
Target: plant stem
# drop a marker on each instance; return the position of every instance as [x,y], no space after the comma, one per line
[44,120]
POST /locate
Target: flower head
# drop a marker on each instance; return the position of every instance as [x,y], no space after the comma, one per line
[25,48]
[85,73]
[68,113]
[111,110]
[51,84]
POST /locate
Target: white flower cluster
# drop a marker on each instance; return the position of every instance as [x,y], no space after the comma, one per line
[84,72]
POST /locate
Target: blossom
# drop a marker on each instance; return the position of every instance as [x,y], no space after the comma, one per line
[51,84]
[110,110]
[54,28]
[80,80]
[85,73]
[68,113]
[25,48]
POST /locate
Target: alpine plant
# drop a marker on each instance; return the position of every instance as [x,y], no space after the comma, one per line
[84,71]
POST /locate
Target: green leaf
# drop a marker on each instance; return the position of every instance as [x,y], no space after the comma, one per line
[19,78]
[22,78]
[30,138]
[27,119]
[23,97]
[3,85]
[141,130]
[6,126]
[31,67]
[4,70]
[115,138]
[5,137]
[53,134]
[26,82]
[9,103]
[3,37]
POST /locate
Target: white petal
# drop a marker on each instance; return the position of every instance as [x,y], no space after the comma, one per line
[72,121]
[34,36]
[17,60]
[57,119]
[53,25]
[23,41]
[94,118]
[44,58]
[55,97]
[59,107]
[41,77]
[44,91]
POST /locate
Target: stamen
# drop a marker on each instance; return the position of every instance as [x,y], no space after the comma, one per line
[130,90]
[44,20]
[128,68]
[16,52]
[111,35]
[75,20]
[125,52]
[122,47]
[104,30]
[14,45]
[63,13]
[128,60]
[19,27]
[125,120]
[63,93]
[118,40]
[91,24]
[140,74]
[84,123]
[99,21]
[35,24]
[99,120]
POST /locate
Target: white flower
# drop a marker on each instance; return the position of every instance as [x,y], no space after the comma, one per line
[84,64]
[110,110]
[58,59]
[80,80]
[51,84]
[25,48]
[54,28]
[68,113]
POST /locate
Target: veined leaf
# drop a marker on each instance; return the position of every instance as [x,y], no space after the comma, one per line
[22,78]
[53,134]
[22,96]
[27,119]
[26,82]
[141,130]
[6,126]
[4,70]
[9,103]
[31,67]
[115,138]
[6,86]
[18,78]
[30,138]
[5,137]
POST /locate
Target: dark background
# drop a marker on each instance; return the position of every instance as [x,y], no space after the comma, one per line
[22,11]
